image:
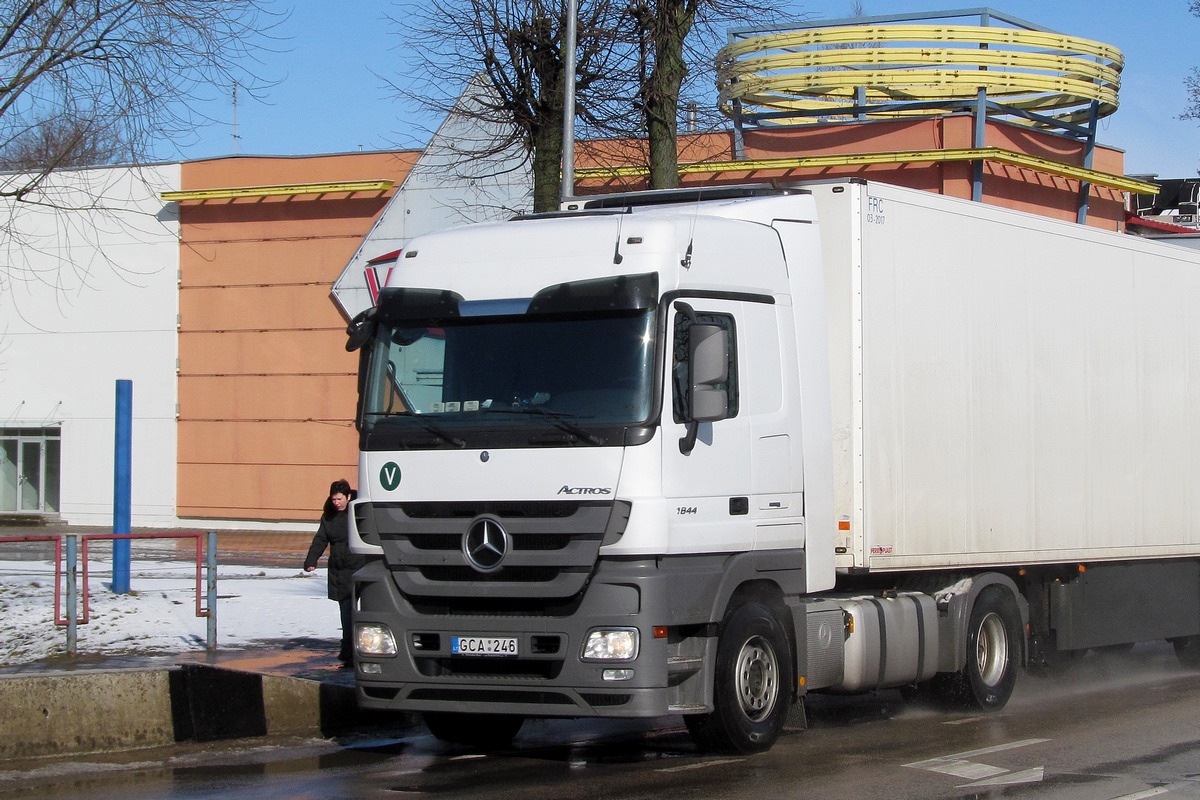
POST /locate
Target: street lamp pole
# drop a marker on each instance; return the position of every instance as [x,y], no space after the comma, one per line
[568,147]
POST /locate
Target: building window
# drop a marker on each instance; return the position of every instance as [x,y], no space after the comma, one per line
[30,462]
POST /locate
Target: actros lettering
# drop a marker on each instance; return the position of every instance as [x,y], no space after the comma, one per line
[584,490]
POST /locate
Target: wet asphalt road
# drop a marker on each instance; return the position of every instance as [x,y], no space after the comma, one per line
[1111,726]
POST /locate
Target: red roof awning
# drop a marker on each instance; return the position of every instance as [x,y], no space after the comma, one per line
[1153,224]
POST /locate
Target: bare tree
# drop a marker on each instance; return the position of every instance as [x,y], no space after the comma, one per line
[634,62]
[517,47]
[1192,82]
[93,82]
[59,142]
[129,73]
[673,36]
[663,27]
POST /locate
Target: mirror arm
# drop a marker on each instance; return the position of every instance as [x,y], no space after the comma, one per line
[688,443]
[688,311]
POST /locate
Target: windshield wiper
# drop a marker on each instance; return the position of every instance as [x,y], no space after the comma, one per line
[557,419]
[424,423]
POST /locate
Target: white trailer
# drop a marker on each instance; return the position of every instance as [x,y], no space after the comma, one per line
[703,452]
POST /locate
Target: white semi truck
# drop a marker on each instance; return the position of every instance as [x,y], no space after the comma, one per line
[702,452]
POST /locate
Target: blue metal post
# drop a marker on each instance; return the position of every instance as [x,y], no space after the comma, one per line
[211,559]
[122,483]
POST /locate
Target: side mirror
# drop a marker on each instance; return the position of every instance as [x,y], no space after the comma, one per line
[708,358]
[708,367]
[360,330]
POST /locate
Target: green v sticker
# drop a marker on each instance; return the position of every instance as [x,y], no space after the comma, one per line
[389,476]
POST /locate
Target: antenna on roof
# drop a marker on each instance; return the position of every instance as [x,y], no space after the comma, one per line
[235,125]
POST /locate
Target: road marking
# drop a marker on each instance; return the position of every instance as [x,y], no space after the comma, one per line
[1034,775]
[1145,794]
[959,765]
[965,769]
[702,765]
[983,751]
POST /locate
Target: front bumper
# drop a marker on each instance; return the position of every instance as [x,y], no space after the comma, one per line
[548,677]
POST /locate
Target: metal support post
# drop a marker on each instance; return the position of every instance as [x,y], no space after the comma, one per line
[1089,150]
[568,144]
[211,563]
[980,143]
[72,575]
[739,135]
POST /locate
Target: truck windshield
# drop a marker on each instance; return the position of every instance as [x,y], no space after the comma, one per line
[571,375]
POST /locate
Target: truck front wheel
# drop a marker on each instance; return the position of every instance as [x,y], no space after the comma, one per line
[752,685]
[474,730]
[993,654]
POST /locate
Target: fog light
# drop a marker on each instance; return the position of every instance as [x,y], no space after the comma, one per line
[370,669]
[611,644]
[618,674]
[372,639]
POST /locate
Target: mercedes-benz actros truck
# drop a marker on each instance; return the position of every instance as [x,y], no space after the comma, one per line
[702,452]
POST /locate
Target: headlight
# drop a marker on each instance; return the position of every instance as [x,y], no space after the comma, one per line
[371,639]
[611,644]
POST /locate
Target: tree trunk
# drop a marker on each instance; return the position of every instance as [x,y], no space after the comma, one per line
[662,125]
[547,161]
[673,21]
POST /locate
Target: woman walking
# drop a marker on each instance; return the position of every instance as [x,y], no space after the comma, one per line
[334,533]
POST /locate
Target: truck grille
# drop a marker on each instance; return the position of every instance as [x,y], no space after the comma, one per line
[544,550]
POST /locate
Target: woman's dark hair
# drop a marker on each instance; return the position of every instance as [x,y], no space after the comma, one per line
[337,487]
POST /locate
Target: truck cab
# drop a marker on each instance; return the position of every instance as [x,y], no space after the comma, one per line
[583,460]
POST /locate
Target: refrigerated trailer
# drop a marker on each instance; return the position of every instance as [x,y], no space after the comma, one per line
[702,452]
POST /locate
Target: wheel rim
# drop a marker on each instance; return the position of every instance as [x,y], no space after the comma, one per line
[757,678]
[991,649]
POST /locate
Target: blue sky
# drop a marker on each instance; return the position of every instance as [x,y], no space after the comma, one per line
[328,98]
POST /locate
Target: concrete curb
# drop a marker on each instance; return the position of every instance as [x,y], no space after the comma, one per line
[103,711]
[84,713]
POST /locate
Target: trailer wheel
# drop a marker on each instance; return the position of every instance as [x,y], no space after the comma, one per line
[752,686]
[993,654]
[474,730]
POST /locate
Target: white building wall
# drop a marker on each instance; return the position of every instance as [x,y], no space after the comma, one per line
[89,296]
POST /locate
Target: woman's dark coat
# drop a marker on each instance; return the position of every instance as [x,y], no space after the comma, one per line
[334,533]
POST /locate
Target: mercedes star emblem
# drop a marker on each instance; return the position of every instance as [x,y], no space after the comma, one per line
[485,544]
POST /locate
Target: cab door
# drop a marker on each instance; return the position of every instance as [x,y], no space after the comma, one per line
[707,464]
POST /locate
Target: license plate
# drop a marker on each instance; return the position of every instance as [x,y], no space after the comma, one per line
[483,645]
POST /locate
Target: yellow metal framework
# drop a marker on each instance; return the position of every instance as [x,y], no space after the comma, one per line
[807,76]
[290,190]
[994,154]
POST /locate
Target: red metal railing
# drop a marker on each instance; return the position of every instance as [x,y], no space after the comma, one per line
[88,537]
[61,618]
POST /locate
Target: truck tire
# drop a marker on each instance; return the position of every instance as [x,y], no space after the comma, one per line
[752,685]
[474,730]
[993,654]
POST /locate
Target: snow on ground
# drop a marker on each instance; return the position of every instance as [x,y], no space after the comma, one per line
[254,604]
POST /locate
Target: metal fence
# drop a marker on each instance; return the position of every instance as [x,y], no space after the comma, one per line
[67,583]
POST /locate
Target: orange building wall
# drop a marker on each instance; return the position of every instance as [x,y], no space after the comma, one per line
[1010,187]
[267,390]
